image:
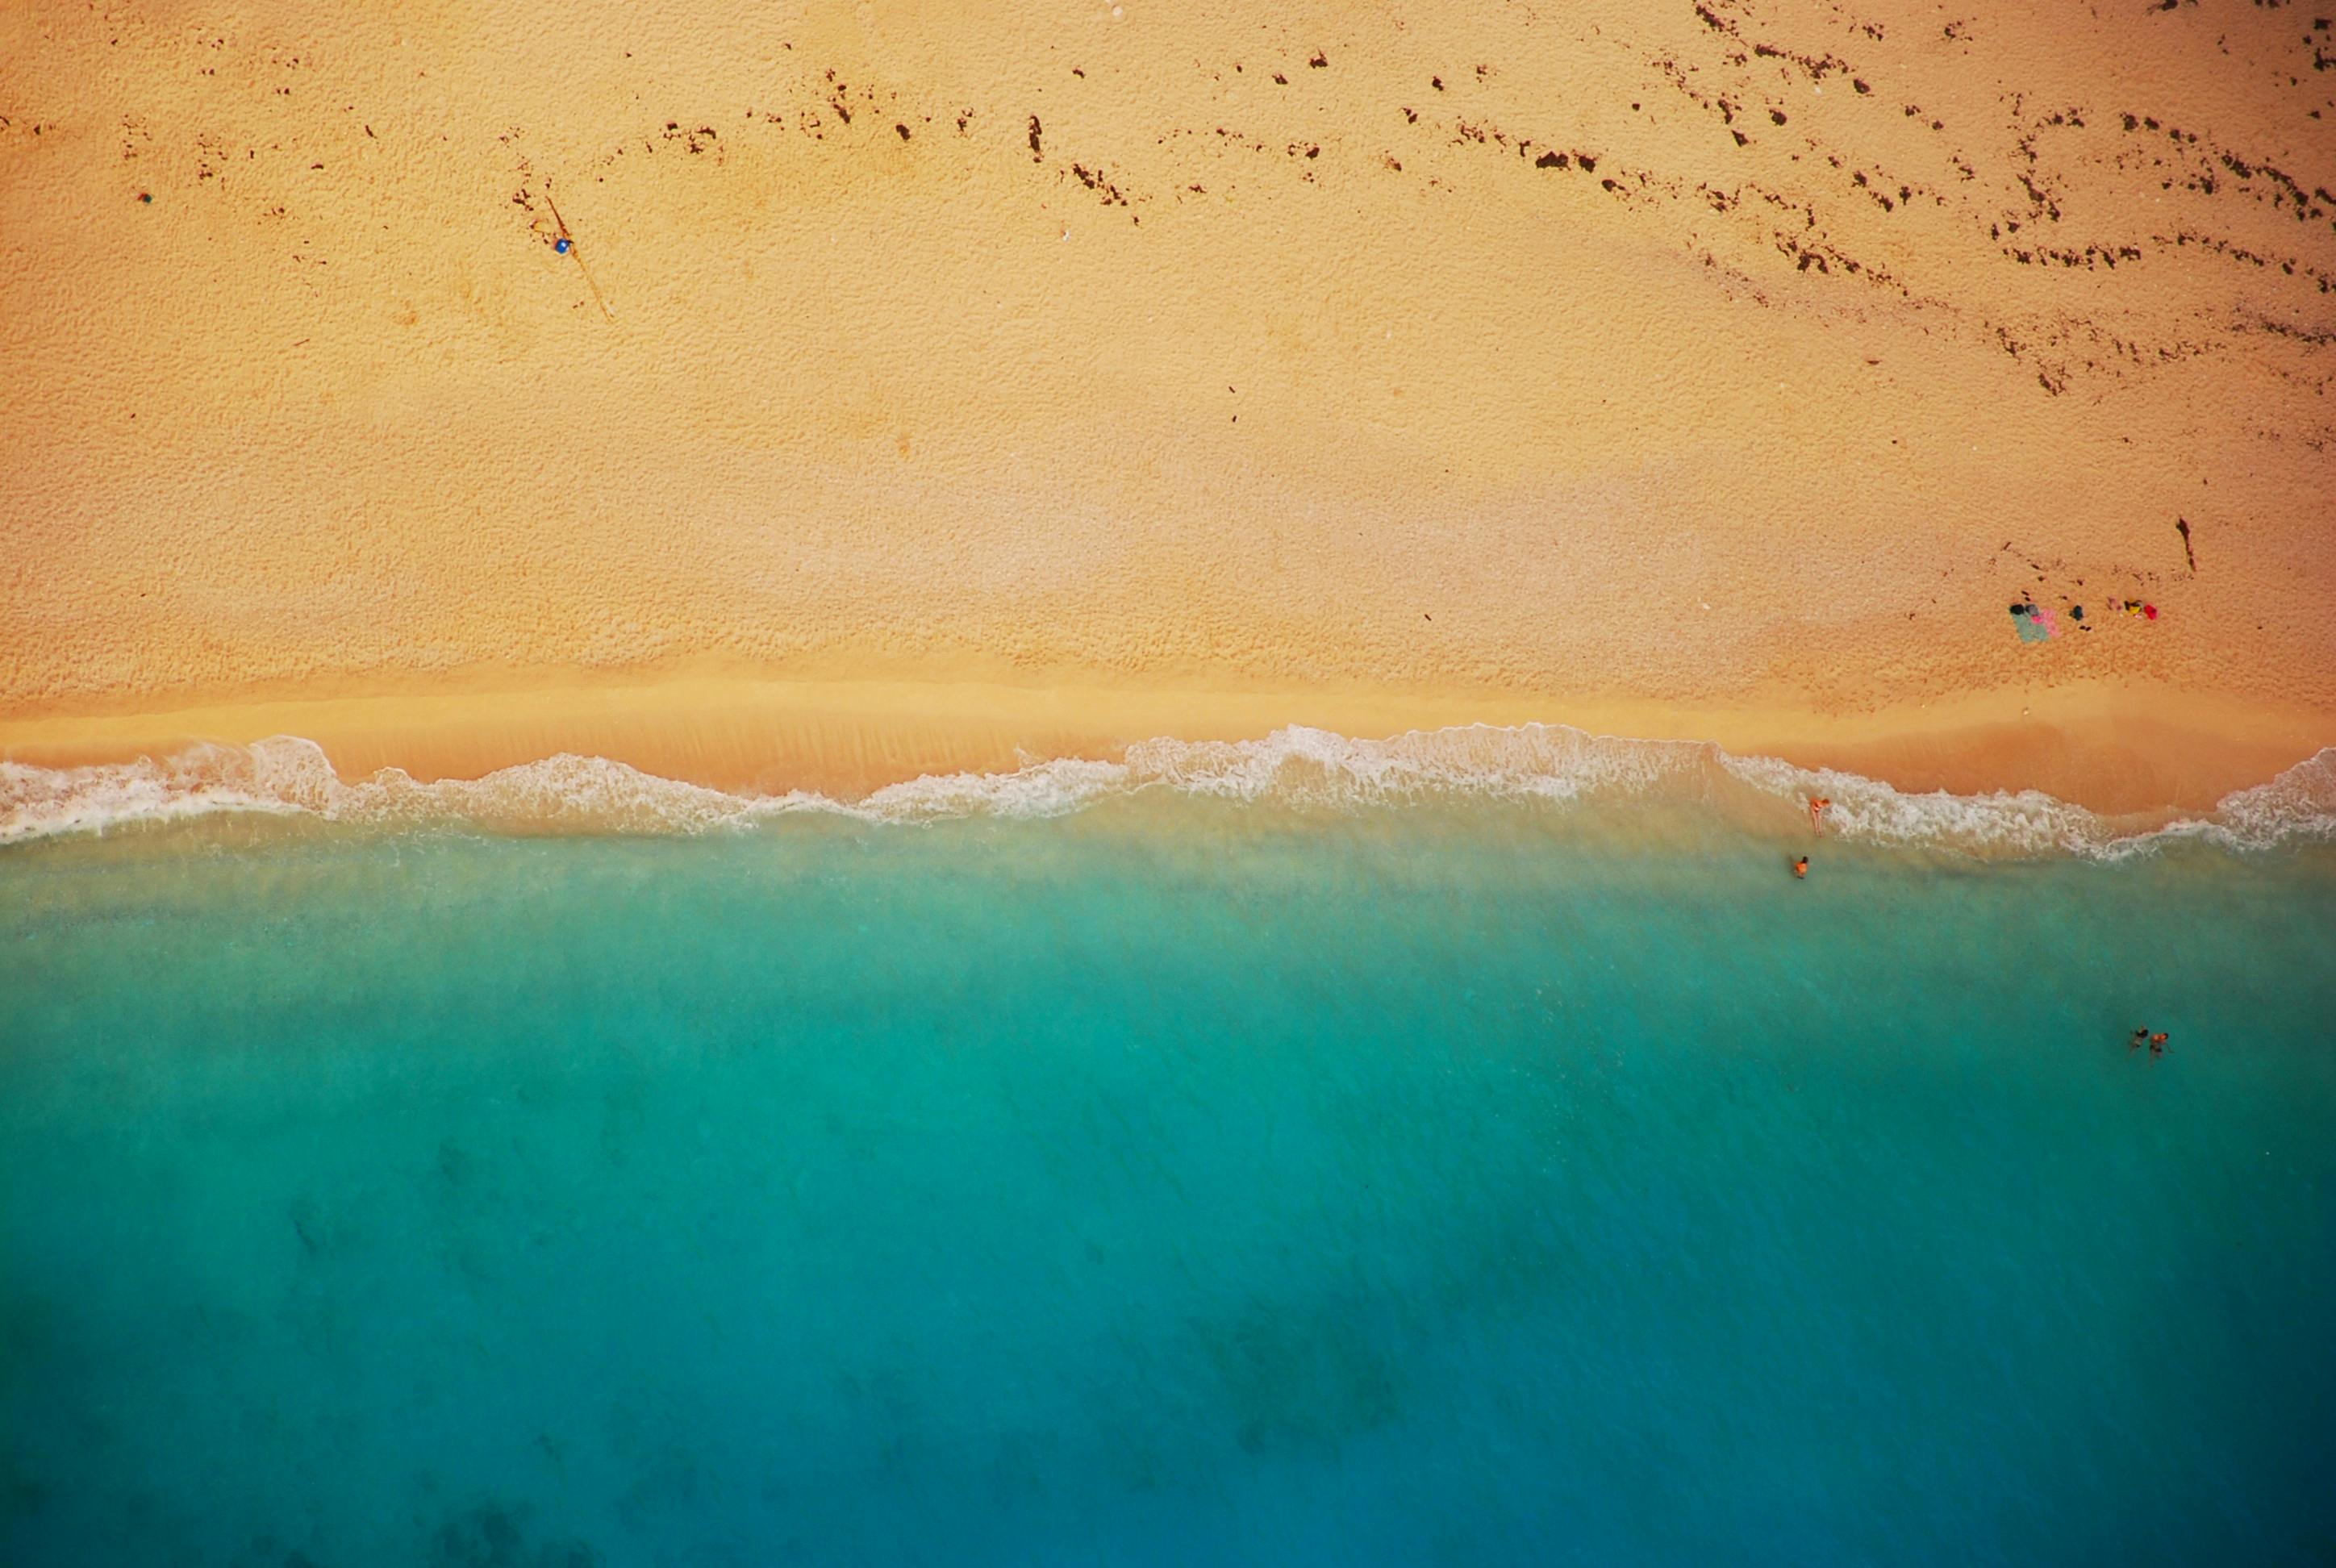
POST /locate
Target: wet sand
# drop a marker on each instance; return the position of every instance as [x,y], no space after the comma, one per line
[2101,748]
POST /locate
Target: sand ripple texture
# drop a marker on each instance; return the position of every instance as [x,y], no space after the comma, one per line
[1673,352]
[1299,768]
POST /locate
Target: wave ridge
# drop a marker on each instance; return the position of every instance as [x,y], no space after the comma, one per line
[1296,767]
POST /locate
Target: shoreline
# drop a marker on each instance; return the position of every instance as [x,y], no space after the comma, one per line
[2110,749]
[958,387]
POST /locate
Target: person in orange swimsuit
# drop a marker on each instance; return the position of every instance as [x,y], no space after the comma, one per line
[2157,1044]
[1801,867]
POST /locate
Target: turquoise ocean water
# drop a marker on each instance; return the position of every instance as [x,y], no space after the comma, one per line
[1177,1182]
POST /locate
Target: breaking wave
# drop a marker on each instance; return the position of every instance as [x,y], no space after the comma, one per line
[1296,767]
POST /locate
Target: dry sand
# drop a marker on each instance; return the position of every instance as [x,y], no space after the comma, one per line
[966,379]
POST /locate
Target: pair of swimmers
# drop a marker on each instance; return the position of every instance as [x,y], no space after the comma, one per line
[2142,1037]
[1817,805]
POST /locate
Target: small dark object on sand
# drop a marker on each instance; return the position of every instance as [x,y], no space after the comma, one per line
[2020,609]
[2077,612]
[565,245]
[2182,527]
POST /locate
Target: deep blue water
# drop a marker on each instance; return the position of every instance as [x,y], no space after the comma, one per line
[1175,1183]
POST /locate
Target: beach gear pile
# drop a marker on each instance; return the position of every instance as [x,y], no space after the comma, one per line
[2037,623]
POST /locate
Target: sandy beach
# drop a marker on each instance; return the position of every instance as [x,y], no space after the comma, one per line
[814,397]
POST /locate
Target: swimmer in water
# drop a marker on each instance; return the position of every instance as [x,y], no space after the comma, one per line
[1801,867]
[2140,1039]
[2157,1044]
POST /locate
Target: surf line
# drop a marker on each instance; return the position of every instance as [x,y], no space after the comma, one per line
[284,774]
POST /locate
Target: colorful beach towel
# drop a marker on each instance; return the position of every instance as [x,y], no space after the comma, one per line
[2034,623]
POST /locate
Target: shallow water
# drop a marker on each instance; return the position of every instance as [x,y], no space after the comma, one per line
[1180,1182]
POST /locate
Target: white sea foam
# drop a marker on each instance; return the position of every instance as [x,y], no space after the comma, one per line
[1295,766]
